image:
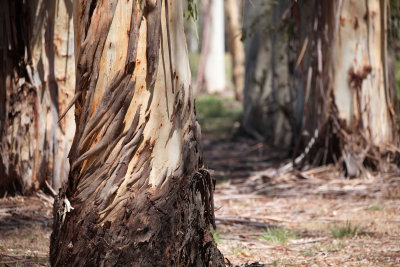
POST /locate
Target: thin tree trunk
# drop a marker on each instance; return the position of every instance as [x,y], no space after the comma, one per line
[215,63]
[237,48]
[137,188]
[205,47]
[37,79]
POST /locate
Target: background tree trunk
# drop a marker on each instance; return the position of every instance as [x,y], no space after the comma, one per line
[236,44]
[199,86]
[350,105]
[37,78]
[215,64]
[268,99]
[139,195]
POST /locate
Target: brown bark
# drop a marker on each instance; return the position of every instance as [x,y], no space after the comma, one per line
[136,194]
[36,82]
[349,115]
[237,48]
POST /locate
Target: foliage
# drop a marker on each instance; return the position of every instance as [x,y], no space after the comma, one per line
[345,231]
[277,235]
[192,13]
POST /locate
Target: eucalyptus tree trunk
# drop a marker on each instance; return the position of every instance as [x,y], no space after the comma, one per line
[137,194]
[350,104]
[37,78]
[215,63]
[237,48]
[267,96]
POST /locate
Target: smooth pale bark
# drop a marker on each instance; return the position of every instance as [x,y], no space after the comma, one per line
[267,96]
[359,55]
[199,86]
[237,48]
[137,194]
[215,64]
[37,80]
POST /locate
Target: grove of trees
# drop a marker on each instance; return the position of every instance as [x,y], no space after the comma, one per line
[96,102]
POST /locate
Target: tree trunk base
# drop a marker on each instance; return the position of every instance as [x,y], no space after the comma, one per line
[157,227]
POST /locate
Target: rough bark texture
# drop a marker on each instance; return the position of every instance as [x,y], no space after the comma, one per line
[267,96]
[136,193]
[348,105]
[36,83]
[236,44]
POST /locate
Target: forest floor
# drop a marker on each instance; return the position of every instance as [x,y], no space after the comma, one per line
[311,218]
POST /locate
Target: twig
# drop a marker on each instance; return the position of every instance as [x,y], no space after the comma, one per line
[299,242]
[248,222]
[52,190]
[50,199]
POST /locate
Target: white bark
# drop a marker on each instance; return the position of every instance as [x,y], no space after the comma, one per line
[358,69]
[215,66]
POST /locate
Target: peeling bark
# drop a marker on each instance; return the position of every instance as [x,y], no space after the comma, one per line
[36,82]
[350,104]
[136,194]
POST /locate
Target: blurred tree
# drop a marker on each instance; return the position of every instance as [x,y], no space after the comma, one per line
[136,194]
[267,95]
[334,97]
[37,79]
[215,80]
[348,114]
[236,45]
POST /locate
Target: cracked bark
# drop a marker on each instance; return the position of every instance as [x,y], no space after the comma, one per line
[138,193]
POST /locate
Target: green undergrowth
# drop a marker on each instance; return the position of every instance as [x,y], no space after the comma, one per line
[347,230]
[217,115]
[277,235]
[375,207]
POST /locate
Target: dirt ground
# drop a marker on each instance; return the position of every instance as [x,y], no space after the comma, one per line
[311,218]
[264,216]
